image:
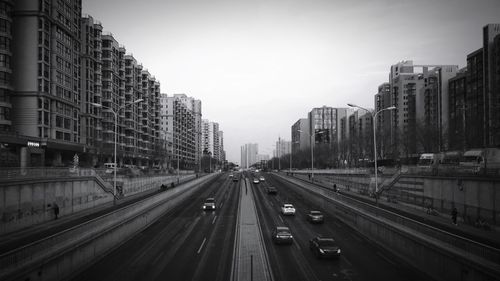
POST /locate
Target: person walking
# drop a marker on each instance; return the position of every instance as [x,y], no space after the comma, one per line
[454,213]
[56,210]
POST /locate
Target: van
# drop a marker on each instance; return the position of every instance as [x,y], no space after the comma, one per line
[481,158]
[451,158]
[429,160]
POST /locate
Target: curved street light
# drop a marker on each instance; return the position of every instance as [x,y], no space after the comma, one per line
[374,122]
[116,134]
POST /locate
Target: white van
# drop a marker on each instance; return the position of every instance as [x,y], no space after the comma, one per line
[429,160]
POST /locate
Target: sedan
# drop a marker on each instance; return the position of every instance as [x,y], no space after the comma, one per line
[324,247]
[315,217]
[271,190]
[255,180]
[262,179]
[288,209]
[209,204]
[282,234]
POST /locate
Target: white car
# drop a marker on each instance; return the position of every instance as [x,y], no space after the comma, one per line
[255,180]
[288,209]
[262,179]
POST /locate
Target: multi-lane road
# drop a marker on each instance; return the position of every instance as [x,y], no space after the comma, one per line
[188,243]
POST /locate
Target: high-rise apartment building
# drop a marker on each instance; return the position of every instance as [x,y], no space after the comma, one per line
[178,128]
[249,154]
[456,103]
[474,100]
[491,68]
[385,130]
[300,135]
[323,125]
[46,80]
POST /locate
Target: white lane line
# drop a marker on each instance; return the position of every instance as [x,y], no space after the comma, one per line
[214,219]
[346,260]
[282,219]
[202,244]
[386,258]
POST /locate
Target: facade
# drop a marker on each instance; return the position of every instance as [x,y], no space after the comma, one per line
[8,154]
[474,100]
[491,35]
[283,147]
[385,130]
[300,135]
[222,152]
[323,125]
[249,154]
[457,107]
[178,130]
[45,81]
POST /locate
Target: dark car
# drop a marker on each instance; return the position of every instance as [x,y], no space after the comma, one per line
[282,235]
[315,217]
[324,247]
[235,179]
[271,190]
[209,204]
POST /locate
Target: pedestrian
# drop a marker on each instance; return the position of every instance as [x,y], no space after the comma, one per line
[309,176]
[334,187]
[56,210]
[454,213]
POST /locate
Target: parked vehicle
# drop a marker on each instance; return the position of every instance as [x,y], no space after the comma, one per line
[451,158]
[429,160]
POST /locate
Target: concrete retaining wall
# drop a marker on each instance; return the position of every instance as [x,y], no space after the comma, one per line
[473,196]
[59,256]
[24,203]
[426,253]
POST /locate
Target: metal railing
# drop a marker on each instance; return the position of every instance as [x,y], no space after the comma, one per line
[33,173]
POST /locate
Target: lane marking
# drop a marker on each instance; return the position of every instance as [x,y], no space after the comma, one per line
[346,260]
[281,219]
[202,244]
[386,258]
[214,219]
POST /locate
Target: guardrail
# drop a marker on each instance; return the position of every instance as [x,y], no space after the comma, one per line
[467,245]
[31,173]
[50,246]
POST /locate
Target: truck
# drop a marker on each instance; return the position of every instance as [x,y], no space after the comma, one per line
[481,159]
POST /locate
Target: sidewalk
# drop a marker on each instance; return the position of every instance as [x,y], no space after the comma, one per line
[250,259]
[442,221]
[18,238]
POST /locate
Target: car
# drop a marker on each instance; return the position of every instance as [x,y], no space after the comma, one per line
[262,179]
[324,247]
[209,204]
[235,179]
[231,175]
[255,180]
[282,235]
[315,217]
[288,209]
[271,190]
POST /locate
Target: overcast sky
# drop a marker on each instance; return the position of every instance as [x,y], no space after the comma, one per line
[258,66]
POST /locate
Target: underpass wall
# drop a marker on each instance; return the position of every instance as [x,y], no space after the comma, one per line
[67,253]
[24,203]
[425,253]
[474,197]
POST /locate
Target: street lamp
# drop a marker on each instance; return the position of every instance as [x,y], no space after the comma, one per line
[312,151]
[116,134]
[291,151]
[374,122]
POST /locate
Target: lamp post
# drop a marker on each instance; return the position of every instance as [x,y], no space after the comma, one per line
[374,122]
[312,151]
[116,134]
[291,151]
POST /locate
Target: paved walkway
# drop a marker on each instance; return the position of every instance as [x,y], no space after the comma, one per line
[250,261]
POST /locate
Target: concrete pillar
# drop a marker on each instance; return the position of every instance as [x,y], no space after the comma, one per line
[24,157]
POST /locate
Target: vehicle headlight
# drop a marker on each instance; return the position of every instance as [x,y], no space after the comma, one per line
[338,251]
[321,251]
[204,207]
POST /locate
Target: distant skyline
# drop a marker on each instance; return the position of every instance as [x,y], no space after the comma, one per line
[259,66]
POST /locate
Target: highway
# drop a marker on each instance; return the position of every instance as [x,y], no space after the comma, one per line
[360,259]
[188,243]
[185,244]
